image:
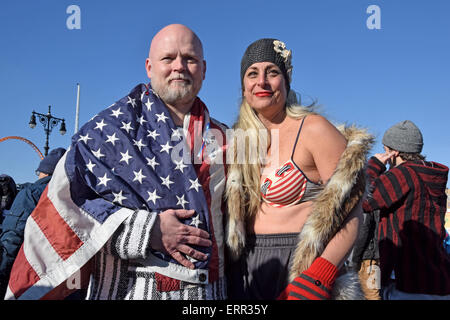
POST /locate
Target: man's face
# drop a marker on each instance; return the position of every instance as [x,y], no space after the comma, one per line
[176,67]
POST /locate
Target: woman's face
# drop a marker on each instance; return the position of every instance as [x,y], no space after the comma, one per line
[264,86]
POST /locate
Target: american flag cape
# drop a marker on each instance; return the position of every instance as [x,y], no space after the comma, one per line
[129,157]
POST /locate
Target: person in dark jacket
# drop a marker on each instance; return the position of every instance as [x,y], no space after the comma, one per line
[365,258]
[11,236]
[412,202]
[8,191]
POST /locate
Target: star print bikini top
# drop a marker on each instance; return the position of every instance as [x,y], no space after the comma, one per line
[288,185]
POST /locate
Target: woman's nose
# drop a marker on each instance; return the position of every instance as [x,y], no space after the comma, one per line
[262,79]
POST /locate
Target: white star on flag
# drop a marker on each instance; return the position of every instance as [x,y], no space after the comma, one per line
[149,104]
[118,197]
[126,126]
[152,134]
[98,154]
[90,166]
[100,125]
[180,165]
[161,117]
[138,176]
[152,196]
[139,144]
[181,201]
[84,138]
[176,134]
[166,147]
[104,180]
[194,184]
[141,120]
[112,138]
[125,157]
[116,113]
[166,181]
[152,162]
[196,221]
[132,102]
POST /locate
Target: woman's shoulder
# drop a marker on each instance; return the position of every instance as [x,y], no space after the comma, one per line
[317,124]
[320,136]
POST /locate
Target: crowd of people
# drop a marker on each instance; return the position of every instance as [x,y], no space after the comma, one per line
[151,201]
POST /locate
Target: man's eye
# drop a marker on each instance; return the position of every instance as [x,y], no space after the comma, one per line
[190,59]
[252,74]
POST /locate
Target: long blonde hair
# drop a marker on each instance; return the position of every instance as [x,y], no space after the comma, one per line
[243,195]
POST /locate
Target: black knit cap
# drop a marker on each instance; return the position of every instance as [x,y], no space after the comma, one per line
[268,50]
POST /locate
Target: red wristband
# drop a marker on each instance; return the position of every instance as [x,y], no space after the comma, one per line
[313,284]
[323,270]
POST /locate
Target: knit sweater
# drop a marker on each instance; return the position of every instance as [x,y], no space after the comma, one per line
[412,202]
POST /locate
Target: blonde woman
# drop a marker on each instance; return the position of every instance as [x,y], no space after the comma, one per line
[294,209]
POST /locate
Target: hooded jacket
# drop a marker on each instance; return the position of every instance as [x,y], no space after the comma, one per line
[333,204]
[412,202]
[8,191]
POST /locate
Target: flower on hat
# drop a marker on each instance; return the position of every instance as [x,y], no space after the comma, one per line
[280,48]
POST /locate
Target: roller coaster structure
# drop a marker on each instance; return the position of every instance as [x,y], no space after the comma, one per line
[26,141]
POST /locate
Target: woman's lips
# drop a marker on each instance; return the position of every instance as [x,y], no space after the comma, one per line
[263,94]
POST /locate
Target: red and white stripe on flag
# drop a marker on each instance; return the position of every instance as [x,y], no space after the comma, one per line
[59,239]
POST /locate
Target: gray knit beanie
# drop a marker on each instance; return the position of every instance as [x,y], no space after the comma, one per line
[268,50]
[404,136]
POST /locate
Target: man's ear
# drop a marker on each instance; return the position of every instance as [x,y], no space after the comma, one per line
[148,66]
[204,69]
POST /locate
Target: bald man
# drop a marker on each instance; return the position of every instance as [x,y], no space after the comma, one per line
[176,68]
[145,190]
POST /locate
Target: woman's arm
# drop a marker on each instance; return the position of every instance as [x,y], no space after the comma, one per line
[340,246]
[326,145]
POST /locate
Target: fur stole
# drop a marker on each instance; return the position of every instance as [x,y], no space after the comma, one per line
[333,204]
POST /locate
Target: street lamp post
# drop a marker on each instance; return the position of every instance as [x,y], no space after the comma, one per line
[49,122]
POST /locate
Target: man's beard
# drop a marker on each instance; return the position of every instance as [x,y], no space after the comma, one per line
[182,92]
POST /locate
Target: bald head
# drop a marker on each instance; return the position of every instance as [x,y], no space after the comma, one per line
[176,66]
[174,32]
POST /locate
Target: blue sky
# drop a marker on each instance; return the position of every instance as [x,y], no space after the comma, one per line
[373,78]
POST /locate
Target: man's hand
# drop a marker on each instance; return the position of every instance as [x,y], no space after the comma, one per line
[385,157]
[170,236]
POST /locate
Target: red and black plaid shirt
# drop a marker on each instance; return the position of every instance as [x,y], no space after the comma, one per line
[412,202]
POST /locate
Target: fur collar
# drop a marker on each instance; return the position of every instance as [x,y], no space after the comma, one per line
[340,195]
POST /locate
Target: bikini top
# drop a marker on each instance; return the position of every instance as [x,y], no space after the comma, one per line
[288,185]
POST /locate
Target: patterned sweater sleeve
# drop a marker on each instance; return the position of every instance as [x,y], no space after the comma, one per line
[132,238]
[386,188]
